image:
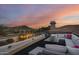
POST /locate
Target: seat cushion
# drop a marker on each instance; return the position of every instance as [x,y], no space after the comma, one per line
[36,51]
[69,42]
[53,47]
[73,51]
[51,52]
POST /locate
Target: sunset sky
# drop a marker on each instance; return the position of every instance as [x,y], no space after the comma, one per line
[38,15]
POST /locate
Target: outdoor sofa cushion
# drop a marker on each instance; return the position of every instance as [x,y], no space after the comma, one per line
[54,47]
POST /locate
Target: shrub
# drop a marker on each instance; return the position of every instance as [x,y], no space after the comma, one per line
[10,41]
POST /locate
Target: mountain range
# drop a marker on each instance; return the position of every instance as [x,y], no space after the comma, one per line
[68,28]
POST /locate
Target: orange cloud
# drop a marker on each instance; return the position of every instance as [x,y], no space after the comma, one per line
[43,18]
[68,11]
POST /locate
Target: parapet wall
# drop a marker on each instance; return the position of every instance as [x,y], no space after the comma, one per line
[15,47]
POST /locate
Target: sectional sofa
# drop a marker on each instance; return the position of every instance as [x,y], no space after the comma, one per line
[71,48]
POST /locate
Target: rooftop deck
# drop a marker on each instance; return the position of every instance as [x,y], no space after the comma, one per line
[58,42]
[42,43]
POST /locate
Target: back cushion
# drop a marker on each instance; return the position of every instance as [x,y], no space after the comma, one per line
[75,40]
